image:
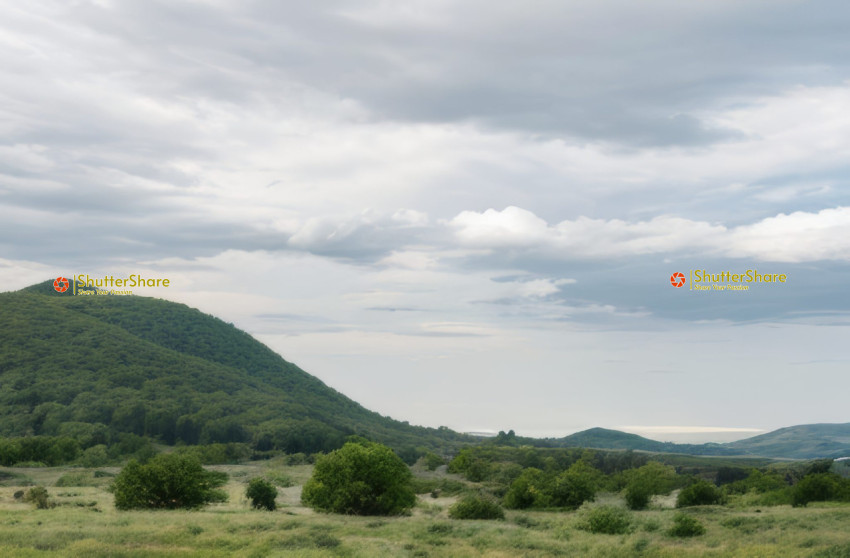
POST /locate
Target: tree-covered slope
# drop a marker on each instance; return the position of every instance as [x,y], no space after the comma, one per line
[80,365]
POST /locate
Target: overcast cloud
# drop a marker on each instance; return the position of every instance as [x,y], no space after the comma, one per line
[459,213]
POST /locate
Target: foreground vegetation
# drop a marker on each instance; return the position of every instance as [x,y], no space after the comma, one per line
[81,520]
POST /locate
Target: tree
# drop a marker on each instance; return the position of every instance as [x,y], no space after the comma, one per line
[527,490]
[818,487]
[168,481]
[361,478]
[701,493]
[652,478]
[638,494]
[576,485]
[262,494]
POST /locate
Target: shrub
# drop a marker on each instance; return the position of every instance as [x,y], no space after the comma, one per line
[686,526]
[432,461]
[701,493]
[608,520]
[38,495]
[476,507]
[818,487]
[527,490]
[637,495]
[575,486]
[262,494]
[168,481]
[478,470]
[76,479]
[642,483]
[362,478]
[279,479]
[94,456]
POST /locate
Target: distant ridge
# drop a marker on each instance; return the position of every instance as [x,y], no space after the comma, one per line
[804,441]
[807,441]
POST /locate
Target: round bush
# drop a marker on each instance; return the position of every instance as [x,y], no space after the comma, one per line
[361,478]
[637,496]
[262,494]
[701,493]
[686,526]
[819,487]
[476,507]
[168,481]
[608,520]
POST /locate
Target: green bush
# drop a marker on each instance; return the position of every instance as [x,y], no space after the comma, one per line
[262,494]
[642,483]
[637,495]
[575,486]
[701,493]
[528,490]
[95,456]
[608,520]
[686,526]
[38,495]
[168,481]
[279,479]
[362,478]
[476,507]
[432,461]
[76,479]
[818,487]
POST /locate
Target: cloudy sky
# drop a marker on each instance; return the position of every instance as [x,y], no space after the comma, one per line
[459,213]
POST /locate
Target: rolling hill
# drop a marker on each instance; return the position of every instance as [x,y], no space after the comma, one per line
[804,441]
[90,366]
[604,438]
[809,441]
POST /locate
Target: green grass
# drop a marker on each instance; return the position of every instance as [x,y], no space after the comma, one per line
[85,523]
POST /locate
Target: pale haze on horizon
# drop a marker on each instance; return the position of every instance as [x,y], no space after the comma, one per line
[459,213]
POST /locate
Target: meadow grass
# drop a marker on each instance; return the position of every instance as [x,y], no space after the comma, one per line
[84,522]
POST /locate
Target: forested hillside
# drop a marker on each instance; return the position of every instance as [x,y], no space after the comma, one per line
[91,367]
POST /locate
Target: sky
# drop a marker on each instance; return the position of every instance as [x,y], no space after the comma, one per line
[459,213]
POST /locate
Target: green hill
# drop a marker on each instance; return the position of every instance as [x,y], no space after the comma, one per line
[805,441]
[809,441]
[610,439]
[603,438]
[89,367]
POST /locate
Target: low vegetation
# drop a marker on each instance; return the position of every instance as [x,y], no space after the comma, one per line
[168,481]
[476,506]
[83,520]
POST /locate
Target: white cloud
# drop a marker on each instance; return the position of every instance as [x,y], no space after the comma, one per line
[798,237]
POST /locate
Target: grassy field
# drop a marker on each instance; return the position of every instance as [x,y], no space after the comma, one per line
[85,523]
